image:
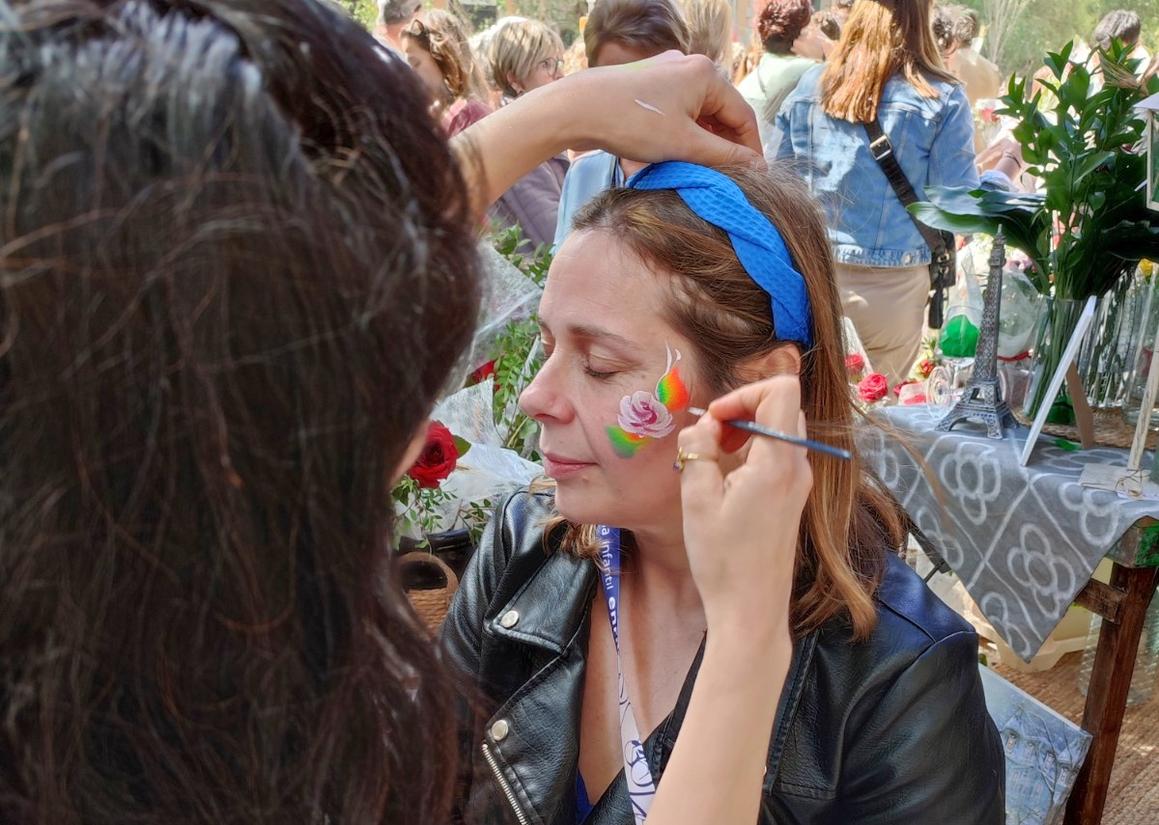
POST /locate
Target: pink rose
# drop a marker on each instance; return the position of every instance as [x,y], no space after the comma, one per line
[641,413]
[873,387]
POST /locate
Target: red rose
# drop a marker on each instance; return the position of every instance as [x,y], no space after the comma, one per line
[873,387]
[925,367]
[854,365]
[483,373]
[438,458]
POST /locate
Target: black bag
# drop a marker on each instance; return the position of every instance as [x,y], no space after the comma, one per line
[943,268]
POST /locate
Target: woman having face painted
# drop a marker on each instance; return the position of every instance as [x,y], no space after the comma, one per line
[596,612]
[237,263]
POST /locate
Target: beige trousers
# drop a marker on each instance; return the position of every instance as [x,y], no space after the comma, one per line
[887,307]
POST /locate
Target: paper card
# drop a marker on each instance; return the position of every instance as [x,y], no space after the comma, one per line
[1068,356]
[1132,484]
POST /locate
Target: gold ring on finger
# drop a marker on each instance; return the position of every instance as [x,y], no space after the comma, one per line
[682,457]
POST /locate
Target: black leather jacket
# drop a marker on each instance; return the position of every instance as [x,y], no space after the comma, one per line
[890,730]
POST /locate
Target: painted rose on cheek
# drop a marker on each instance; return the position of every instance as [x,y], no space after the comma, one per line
[641,413]
[645,415]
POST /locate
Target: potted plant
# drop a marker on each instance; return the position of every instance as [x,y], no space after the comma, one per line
[1089,225]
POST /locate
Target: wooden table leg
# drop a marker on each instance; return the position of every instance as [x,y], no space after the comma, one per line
[1107,695]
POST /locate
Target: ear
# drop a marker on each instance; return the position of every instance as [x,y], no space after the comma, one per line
[514,83]
[784,360]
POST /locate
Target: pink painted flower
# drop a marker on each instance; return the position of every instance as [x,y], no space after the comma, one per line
[641,413]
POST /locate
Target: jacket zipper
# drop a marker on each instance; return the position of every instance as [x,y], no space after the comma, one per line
[504,786]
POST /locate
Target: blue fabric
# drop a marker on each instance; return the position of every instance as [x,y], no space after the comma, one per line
[933,139]
[583,805]
[716,198]
[588,175]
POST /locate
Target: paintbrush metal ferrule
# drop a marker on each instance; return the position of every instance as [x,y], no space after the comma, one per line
[757,429]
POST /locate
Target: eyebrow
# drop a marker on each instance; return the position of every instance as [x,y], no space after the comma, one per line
[591,332]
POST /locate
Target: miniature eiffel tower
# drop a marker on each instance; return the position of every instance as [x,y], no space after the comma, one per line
[982,398]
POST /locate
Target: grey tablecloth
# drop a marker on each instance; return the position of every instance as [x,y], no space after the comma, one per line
[1023,540]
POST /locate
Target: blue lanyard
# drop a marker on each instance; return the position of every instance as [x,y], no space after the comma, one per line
[641,786]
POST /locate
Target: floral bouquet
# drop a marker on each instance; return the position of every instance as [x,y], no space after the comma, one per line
[422,505]
[462,471]
[479,445]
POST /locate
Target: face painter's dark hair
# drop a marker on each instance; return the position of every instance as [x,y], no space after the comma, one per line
[236,265]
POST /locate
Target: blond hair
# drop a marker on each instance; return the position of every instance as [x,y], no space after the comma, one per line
[880,39]
[848,522]
[709,28]
[516,47]
[653,26]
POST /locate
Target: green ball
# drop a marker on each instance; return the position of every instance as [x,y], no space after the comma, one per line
[959,338]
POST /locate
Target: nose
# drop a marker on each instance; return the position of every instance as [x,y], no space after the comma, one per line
[544,399]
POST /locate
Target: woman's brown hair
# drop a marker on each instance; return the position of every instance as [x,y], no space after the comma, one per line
[848,522]
[442,35]
[228,231]
[653,26]
[781,22]
[881,38]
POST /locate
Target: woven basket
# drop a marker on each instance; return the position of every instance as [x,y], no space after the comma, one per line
[1111,429]
[430,603]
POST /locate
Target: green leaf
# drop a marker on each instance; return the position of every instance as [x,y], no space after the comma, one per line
[1025,132]
[462,446]
[1000,200]
[962,224]
[1089,164]
[1076,88]
[1058,62]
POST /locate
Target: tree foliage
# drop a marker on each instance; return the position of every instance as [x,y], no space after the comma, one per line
[364,11]
[1024,30]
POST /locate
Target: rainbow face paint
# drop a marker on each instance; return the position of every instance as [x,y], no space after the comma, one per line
[648,415]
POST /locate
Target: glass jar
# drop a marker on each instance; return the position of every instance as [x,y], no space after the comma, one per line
[1056,327]
[1146,659]
[1143,343]
[1105,359]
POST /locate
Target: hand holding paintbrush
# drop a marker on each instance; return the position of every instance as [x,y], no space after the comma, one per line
[757,429]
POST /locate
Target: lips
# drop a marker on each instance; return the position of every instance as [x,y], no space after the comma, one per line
[558,466]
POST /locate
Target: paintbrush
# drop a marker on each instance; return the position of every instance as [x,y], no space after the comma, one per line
[757,429]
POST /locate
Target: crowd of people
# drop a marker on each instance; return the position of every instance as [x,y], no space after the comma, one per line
[814,79]
[238,261]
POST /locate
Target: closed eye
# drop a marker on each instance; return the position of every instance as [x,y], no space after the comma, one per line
[596,374]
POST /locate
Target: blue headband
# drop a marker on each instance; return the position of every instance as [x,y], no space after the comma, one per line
[758,245]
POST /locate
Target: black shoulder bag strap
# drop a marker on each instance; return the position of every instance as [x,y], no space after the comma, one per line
[941,244]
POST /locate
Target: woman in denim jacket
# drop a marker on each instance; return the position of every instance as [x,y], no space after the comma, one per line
[886,67]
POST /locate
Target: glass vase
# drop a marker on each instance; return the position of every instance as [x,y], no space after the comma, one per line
[1105,359]
[1146,657]
[1055,329]
[1141,353]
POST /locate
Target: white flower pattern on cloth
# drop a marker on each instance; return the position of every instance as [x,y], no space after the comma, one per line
[1034,564]
[1023,540]
[972,474]
[643,414]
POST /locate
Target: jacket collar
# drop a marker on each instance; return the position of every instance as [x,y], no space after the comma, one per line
[551,606]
